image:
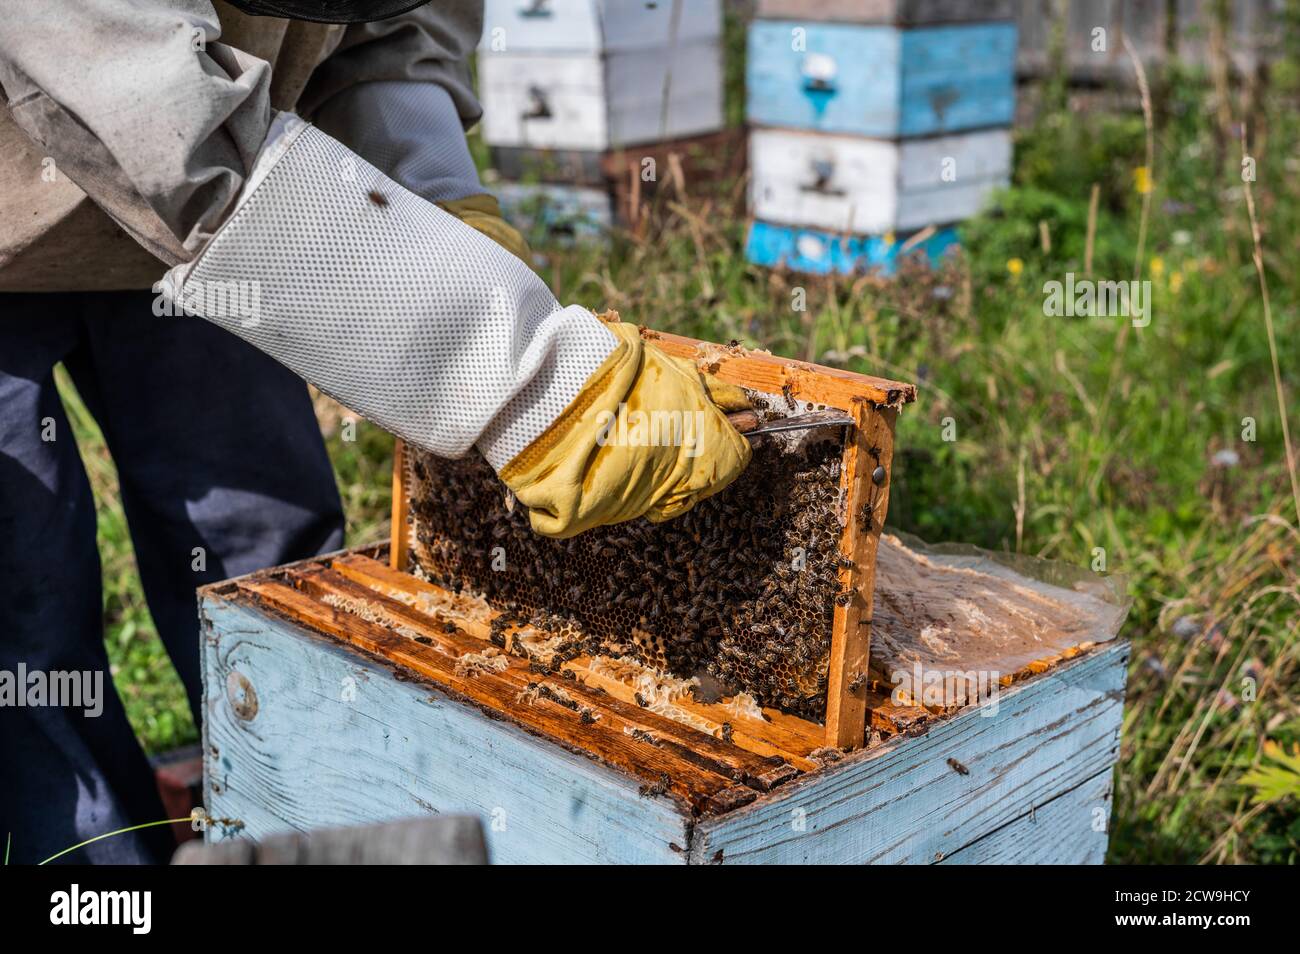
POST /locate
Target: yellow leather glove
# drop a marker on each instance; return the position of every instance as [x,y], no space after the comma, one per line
[482,212]
[727,397]
[642,438]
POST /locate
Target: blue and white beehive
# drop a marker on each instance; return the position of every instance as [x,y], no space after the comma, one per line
[875,127]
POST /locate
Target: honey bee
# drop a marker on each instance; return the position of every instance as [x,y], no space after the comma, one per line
[659,787]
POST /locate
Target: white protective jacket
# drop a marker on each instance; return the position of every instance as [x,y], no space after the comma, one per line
[279,232]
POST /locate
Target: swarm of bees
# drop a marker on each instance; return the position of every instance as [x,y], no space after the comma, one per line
[743,587]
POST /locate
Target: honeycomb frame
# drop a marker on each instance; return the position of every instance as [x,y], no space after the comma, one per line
[864,479]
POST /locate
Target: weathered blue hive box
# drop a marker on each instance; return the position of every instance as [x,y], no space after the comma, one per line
[818,252]
[357,688]
[555,213]
[881,81]
[316,718]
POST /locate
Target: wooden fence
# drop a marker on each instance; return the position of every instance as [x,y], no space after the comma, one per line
[1193,31]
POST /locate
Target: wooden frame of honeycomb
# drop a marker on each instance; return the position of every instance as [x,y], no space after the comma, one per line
[863,495]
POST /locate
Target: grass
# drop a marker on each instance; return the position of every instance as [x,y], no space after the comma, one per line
[1161,459]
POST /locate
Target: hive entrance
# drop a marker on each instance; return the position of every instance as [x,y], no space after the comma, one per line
[739,592]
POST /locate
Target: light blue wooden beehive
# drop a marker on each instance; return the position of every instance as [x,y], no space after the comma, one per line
[819,252]
[864,134]
[312,721]
[881,81]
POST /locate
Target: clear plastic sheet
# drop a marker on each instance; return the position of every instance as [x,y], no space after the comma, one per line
[949,614]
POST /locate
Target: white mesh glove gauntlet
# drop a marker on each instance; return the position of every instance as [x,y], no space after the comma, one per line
[388,304]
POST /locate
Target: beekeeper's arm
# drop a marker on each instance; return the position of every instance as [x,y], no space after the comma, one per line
[374,294]
[399,93]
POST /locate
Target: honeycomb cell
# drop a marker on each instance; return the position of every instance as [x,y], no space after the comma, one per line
[742,587]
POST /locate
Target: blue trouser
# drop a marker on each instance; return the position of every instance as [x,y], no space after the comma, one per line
[216,447]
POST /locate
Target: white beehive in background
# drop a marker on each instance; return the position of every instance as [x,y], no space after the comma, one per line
[854,184]
[599,74]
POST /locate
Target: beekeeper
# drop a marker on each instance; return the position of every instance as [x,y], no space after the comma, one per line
[153,167]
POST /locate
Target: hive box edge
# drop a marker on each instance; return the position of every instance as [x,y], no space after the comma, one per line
[871,824]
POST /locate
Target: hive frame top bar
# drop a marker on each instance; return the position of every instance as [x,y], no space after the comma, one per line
[771,373]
